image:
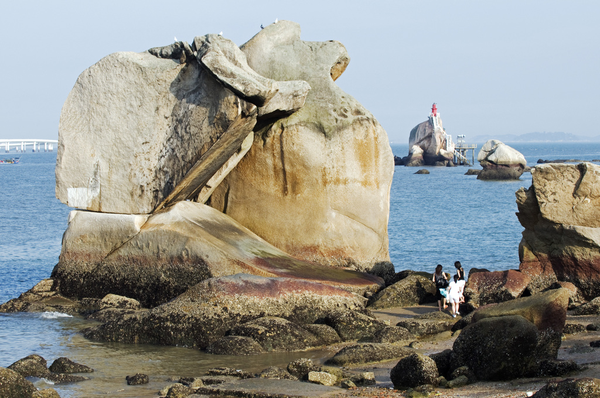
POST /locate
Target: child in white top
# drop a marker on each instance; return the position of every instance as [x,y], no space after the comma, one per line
[455,292]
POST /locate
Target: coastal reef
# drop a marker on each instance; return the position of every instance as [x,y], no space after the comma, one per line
[561,216]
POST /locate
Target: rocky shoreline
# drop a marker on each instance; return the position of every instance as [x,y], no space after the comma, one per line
[367,346]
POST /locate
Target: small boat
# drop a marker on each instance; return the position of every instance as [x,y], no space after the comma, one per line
[10,161]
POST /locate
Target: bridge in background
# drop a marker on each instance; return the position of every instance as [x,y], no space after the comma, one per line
[21,145]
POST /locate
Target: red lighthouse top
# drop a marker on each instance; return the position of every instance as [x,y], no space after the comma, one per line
[434,109]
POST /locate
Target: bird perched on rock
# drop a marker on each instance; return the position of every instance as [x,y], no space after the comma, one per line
[221,33]
[276,20]
[262,27]
[175,38]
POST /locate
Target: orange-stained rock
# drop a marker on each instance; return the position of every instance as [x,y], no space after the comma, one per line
[314,184]
[156,261]
[561,240]
[494,287]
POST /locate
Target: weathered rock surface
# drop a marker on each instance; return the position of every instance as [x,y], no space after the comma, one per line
[412,290]
[174,250]
[206,311]
[414,370]
[235,345]
[572,388]
[494,287]
[128,139]
[36,366]
[322,378]
[327,167]
[12,384]
[561,240]
[300,368]
[500,162]
[367,353]
[277,334]
[275,372]
[137,379]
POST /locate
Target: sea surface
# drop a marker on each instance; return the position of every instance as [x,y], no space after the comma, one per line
[435,218]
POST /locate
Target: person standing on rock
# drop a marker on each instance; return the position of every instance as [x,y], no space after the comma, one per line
[455,293]
[441,282]
[459,270]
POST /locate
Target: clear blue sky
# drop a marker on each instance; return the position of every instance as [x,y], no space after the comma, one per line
[498,67]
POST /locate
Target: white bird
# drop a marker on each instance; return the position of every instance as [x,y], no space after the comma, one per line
[276,20]
[175,38]
[221,34]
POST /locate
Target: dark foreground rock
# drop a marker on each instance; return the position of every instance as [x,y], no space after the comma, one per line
[414,370]
[65,365]
[572,388]
[501,348]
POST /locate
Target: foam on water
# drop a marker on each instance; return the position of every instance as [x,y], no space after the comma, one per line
[54,315]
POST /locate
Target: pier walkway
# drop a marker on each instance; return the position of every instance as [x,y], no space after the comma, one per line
[21,145]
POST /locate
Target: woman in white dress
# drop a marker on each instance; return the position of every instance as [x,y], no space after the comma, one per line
[455,292]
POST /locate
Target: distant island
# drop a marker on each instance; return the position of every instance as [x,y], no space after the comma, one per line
[536,137]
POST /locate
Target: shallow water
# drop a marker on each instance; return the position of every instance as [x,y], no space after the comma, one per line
[436,218]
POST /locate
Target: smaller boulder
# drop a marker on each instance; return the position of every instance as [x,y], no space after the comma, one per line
[557,368]
[412,290]
[300,368]
[472,172]
[422,171]
[137,379]
[325,333]
[31,366]
[322,378]
[591,308]
[225,371]
[573,328]
[458,382]
[277,334]
[427,324]
[65,365]
[414,370]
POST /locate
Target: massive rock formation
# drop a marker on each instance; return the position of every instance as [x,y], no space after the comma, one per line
[500,162]
[561,216]
[429,144]
[145,136]
[315,184]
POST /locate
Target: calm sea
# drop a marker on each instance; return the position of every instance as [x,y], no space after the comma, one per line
[436,218]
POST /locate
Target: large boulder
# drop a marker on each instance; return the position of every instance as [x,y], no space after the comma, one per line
[410,291]
[494,287]
[561,216]
[156,260]
[500,348]
[315,184]
[207,311]
[136,125]
[500,162]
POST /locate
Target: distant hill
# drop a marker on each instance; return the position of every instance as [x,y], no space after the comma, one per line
[534,137]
